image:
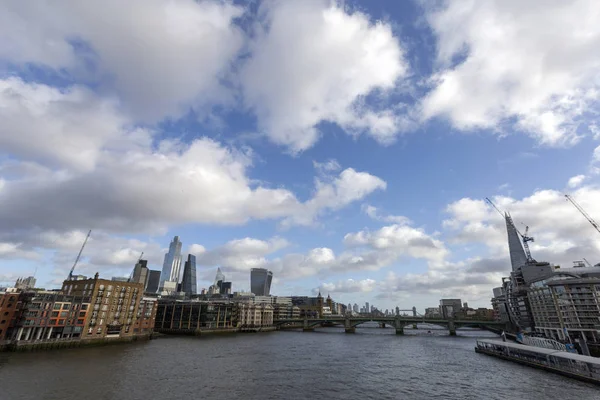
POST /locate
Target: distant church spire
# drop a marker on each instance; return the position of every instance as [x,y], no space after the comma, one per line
[517,254]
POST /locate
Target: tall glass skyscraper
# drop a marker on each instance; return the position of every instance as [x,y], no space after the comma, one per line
[260,281]
[172,264]
[188,283]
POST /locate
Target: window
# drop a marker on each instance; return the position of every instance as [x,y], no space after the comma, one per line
[81,314]
[63,314]
[79,322]
[54,314]
[61,321]
[52,322]
[65,306]
[57,306]
[84,306]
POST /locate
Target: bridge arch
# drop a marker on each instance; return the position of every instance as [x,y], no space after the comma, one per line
[354,324]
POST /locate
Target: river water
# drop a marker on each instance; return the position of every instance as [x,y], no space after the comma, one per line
[374,363]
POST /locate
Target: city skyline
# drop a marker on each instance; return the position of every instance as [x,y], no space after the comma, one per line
[361,171]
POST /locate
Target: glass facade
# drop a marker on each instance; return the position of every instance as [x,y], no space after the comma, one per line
[172,263]
[188,283]
[260,281]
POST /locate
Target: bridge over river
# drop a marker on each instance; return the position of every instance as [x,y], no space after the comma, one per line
[398,322]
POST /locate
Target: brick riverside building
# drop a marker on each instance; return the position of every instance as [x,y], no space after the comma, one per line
[117,308]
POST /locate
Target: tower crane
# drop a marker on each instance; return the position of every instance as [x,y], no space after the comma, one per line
[79,255]
[582,211]
[524,236]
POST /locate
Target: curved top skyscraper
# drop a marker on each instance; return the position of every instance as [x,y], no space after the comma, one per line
[171,267]
[260,281]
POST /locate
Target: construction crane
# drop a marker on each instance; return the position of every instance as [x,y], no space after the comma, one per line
[141,255]
[79,255]
[587,262]
[582,211]
[524,236]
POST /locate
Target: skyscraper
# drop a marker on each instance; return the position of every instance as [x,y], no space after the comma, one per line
[171,266]
[188,283]
[517,254]
[140,272]
[260,281]
[153,281]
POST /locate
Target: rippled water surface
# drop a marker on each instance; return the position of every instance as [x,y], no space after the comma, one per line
[374,363]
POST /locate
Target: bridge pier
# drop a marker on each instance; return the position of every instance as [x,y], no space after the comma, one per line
[350,330]
[382,324]
[415,326]
[307,328]
[400,330]
[452,328]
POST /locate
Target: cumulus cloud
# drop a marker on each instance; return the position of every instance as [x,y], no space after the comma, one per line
[114,179]
[61,128]
[535,64]
[159,56]
[373,212]
[576,181]
[314,61]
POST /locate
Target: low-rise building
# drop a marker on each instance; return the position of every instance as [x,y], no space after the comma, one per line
[254,315]
[191,315]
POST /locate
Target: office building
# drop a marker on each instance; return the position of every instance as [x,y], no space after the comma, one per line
[140,272]
[153,281]
[225,287]
[190,316]
[448,307]
[188,283]
[171,267]
[260,281]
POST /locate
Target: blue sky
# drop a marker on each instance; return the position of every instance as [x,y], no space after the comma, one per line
[346,146]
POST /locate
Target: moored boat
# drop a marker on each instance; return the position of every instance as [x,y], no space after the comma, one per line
[576,366]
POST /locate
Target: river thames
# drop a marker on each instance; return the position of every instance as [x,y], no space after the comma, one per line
[374,363]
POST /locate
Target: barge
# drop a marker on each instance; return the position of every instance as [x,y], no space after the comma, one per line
[575,366]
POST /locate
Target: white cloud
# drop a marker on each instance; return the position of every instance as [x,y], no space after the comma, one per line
[347,286]
[69,127]
[534,63]
[327,167]
[114,179]
[576,181]
[313,61]
[373,212]
[159,56]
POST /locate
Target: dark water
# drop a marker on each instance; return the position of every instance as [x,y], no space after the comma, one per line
[326,364]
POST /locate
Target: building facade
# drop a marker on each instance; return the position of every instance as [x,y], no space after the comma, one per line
[153,281]
[190,316]
[140,272]
[260,281]
[115,306]
[171,267]
[448,307]
[11,304]
[188,283]
[251,315]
